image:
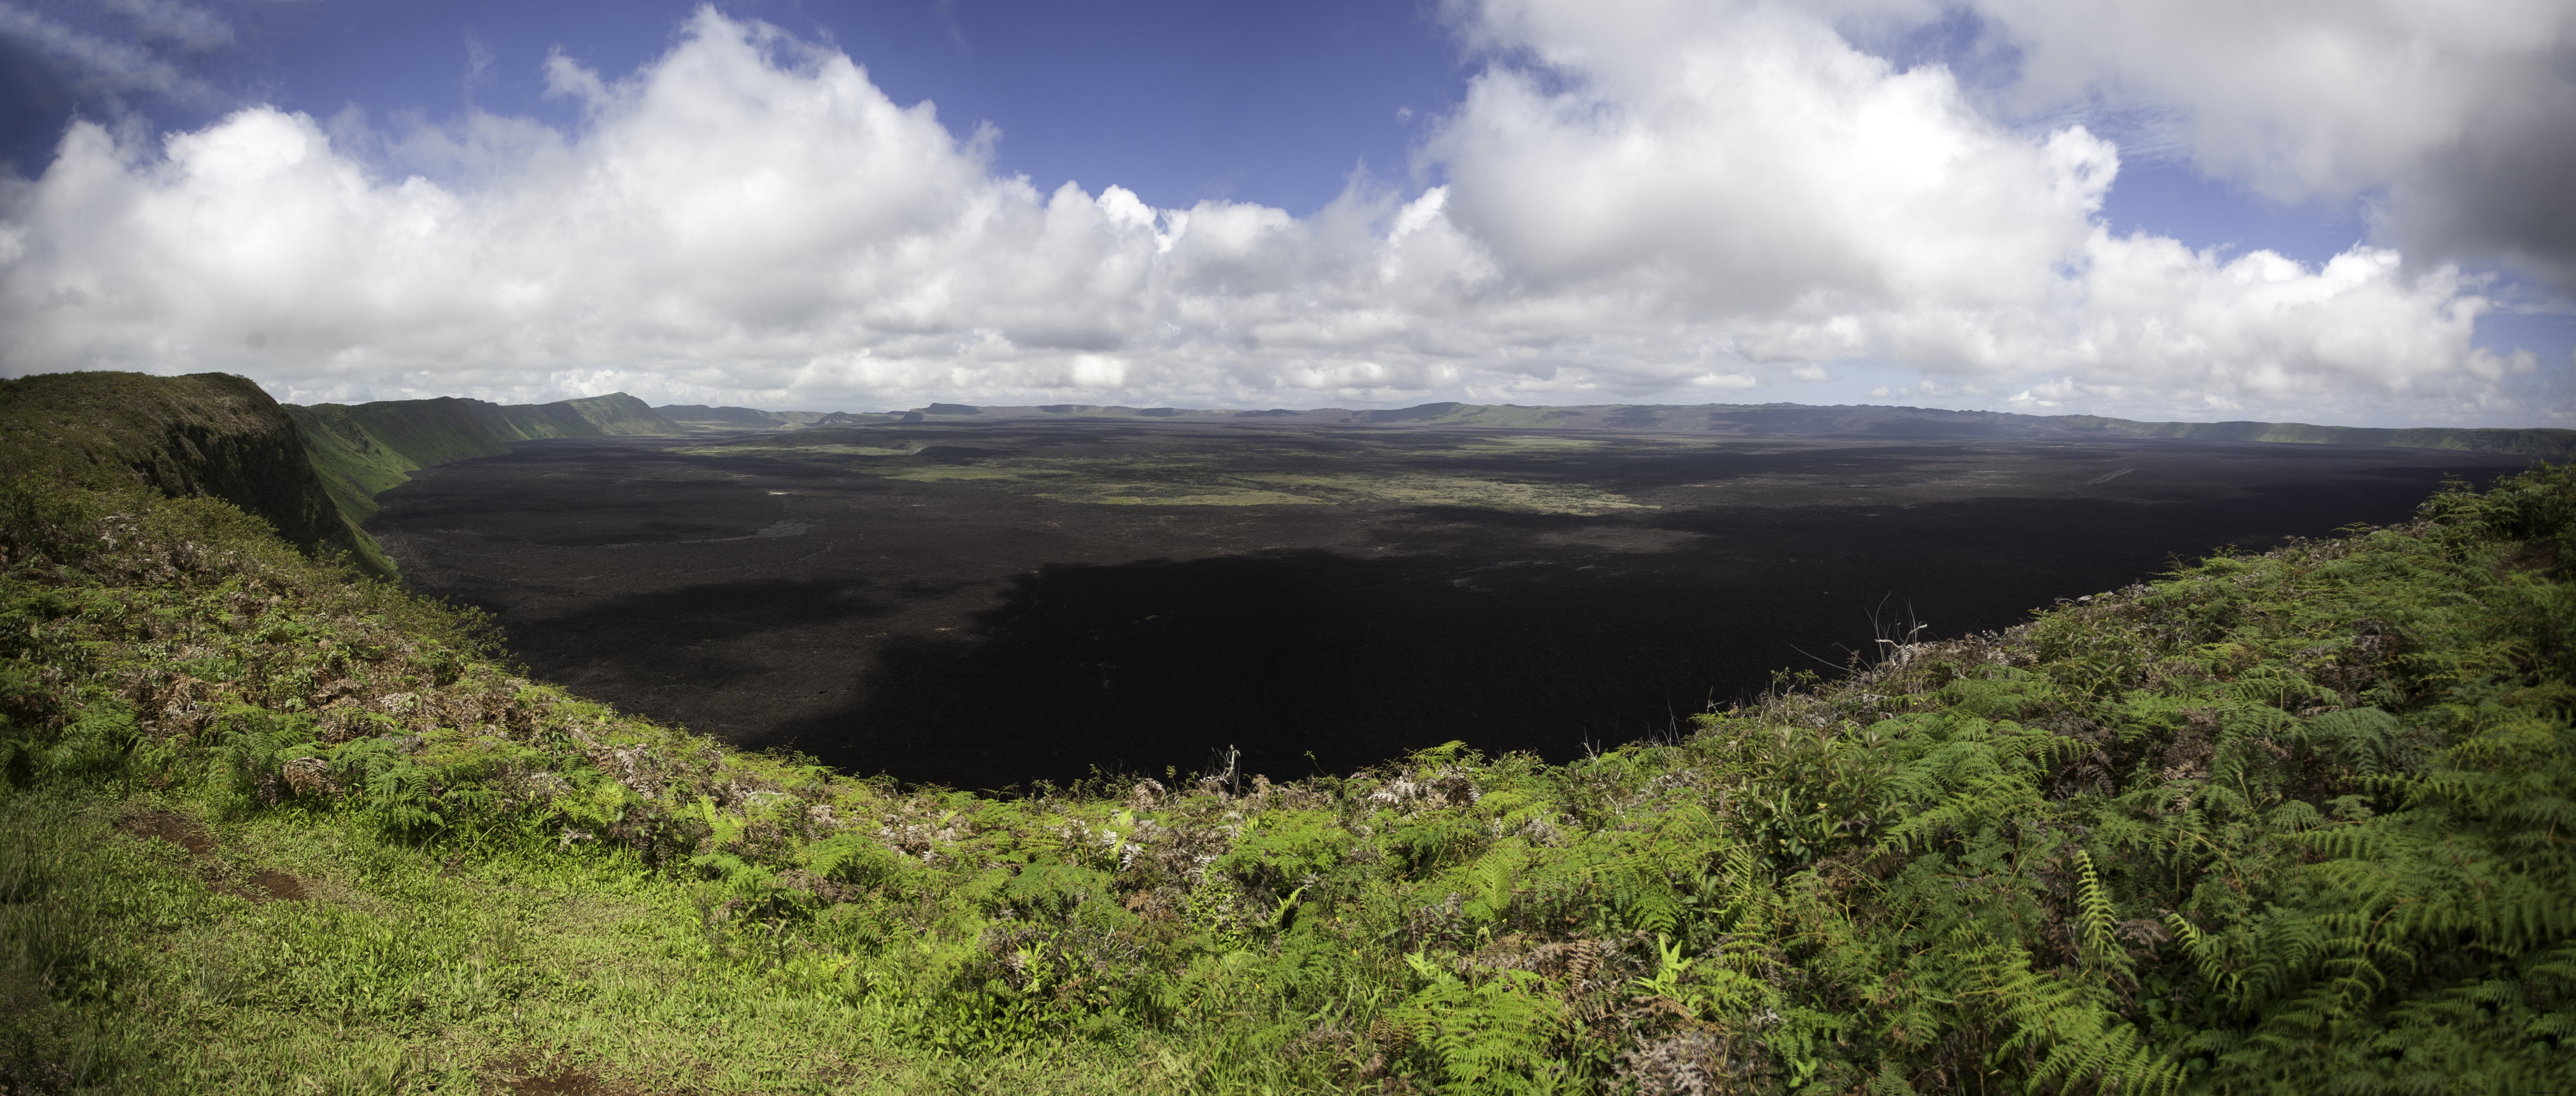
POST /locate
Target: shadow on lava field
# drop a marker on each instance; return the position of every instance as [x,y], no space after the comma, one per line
[988,605]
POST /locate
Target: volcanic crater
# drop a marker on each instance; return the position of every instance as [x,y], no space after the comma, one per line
[988,605]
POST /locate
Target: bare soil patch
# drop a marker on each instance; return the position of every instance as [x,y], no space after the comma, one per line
[527,1078]
[175,828]
[567,1083]
[276,886]
[262,886]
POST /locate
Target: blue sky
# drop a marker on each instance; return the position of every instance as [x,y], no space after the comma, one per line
[1325,203]
[1177,101]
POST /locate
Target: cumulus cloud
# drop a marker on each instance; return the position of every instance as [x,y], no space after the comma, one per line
[2459,116]
[1679,201]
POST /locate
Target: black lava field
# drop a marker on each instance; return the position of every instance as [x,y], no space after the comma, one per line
[989,605]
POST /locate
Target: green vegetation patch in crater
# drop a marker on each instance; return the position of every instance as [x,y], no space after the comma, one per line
[1532,443]
[1246,473]
[815,453]
[1147,496]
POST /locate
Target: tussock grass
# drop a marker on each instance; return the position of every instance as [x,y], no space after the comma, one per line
[2279,823]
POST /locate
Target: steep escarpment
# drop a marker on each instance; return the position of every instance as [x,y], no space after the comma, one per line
[363,449]
[210,434]
[313,472]
[701,419]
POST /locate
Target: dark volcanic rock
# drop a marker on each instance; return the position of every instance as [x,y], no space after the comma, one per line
[967,631]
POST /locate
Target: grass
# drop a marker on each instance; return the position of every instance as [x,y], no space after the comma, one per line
[1527,443]
[2274,823]
[816,453]
[355,465]
[203,434]
[1503,415]
[406,969]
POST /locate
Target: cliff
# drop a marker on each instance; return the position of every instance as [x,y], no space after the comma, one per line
[209,434]
[363,449]
[701,419]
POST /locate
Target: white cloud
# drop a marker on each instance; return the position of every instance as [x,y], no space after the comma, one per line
[2458,116]
[1684,201]
[2300,97]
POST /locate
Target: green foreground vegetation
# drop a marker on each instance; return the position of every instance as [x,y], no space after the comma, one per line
[2297,822]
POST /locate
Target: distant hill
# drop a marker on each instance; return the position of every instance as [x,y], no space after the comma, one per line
[365,448]
[1744,420]
[1802,420]
[701,419]
[204,434]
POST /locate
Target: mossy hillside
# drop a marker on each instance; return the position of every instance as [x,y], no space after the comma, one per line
[701,419]
[2278,823]
[364,449]
[203,434]
[616,415]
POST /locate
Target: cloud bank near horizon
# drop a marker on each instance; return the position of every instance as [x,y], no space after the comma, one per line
[1669,202]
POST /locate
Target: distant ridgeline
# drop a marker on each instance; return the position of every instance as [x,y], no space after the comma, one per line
[232,440]
[365,448]
[700,419]
[1796,420]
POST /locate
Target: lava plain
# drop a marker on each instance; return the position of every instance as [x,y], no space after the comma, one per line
[988,605]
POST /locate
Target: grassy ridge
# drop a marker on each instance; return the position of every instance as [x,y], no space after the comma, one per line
[204,434]
[360,450]
[2280,823]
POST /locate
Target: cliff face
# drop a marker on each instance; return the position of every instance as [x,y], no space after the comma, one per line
[312,472]
[203,434]
[363,449]
[616,415]
[699,418]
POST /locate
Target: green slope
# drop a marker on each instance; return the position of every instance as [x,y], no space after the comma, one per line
[363,449]
[204,434]
[2286,823]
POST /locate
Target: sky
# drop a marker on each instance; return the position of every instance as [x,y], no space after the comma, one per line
[2335,211]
